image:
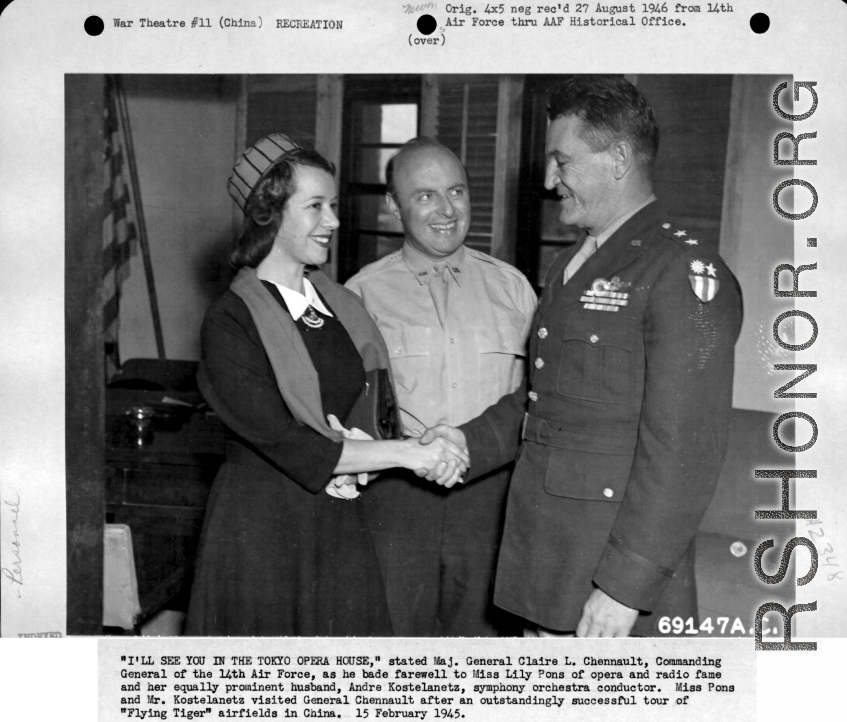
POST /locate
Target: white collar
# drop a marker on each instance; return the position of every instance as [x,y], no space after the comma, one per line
[298,303]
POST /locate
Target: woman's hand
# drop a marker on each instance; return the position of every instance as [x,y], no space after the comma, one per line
[345,479]
[441,460]
[342,486]
[441,474]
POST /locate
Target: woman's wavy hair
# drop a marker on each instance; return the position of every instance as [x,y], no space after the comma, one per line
[266,205]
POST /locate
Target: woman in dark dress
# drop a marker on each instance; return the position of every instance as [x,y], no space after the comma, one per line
[285,549]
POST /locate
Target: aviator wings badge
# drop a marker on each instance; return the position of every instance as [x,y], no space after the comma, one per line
[605,295]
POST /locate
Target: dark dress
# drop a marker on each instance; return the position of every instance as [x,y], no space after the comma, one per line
[278,556]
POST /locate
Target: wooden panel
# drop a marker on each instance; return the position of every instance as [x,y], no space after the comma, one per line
[280,83]
[429,105]
[507,168]
[84,353]
[329,107]
[288,110]
[328,128]
[693,116]
[240,140]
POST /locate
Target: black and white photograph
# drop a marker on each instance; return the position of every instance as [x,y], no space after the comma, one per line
[460,338]
[630,401]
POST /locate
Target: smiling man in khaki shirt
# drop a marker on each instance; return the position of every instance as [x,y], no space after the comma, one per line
[455,321]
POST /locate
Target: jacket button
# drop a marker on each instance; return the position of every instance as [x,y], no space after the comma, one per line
[542,333]
[533,396]
[594,338]
[539,362]
[608,493]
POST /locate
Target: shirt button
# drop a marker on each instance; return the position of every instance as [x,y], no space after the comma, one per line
[455,385]
[533,396]
[594,338]
[452,340]
[608,493]
[542,333]
[539,362]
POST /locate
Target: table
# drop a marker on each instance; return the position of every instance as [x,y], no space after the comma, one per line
[158,476]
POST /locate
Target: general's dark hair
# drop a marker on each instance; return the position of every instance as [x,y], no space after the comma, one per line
[422,141]
[611,109]
[266,205]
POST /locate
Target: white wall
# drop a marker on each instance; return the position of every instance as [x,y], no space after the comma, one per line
[183,130]
[754,239]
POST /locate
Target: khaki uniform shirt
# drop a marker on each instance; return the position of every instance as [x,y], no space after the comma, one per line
[454,373]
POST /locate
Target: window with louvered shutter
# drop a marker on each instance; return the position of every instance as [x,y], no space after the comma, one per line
[380,115]
[467,124]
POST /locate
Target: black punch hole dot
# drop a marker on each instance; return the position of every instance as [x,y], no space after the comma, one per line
[93,25]
[760,23]
[426,24]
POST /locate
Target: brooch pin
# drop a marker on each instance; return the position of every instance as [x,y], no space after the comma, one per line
[311,319]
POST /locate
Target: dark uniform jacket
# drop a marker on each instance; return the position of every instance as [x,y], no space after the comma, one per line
[630,393]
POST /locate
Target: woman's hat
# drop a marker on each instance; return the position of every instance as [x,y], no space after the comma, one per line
[256,161]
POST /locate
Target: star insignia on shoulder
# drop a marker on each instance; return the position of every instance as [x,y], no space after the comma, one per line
[680,233]
[703,280]
[691,242]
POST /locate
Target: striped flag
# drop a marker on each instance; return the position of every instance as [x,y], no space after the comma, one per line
[120,240]
[704,288]
[704,280]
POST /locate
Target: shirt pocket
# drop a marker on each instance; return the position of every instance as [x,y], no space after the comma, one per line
[505,340]
[500,353]
[576,474]
[596,361]
[410,351]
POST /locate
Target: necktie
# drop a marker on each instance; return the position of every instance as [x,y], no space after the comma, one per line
[582,255]
[438,290]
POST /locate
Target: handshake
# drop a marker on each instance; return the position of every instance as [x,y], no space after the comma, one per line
[448,458]
[440,455]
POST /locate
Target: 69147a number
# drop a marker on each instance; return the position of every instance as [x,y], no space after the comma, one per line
[678,625]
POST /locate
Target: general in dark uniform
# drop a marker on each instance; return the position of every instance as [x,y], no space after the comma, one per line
[630,389]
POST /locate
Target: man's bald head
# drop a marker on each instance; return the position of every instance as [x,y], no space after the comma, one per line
[411,147]
[428,194]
